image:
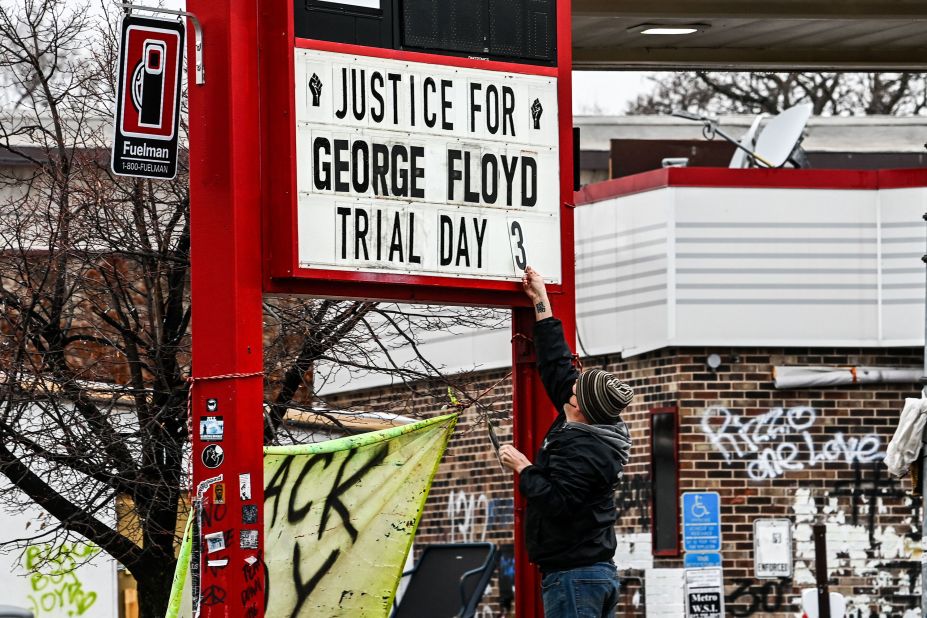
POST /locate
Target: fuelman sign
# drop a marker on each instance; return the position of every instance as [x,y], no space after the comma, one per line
[147,118]
[425,169]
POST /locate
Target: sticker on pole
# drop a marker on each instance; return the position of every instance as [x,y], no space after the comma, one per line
[148,98]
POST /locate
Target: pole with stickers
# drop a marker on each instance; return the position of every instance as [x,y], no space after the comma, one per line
[350,150]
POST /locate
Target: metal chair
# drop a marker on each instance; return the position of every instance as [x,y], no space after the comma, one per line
[448,581]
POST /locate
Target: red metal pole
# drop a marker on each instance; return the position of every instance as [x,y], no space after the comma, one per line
[225,221]
[532,410]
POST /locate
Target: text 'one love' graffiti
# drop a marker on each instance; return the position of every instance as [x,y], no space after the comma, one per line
[782,440]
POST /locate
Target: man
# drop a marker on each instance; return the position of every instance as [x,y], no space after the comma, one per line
[570,518]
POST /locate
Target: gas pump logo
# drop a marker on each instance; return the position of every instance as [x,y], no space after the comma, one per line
[151,82]
[148,84]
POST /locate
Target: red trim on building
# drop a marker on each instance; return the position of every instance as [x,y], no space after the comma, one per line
[780,178]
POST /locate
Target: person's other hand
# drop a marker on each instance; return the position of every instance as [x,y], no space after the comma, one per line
[513,459]
[533,284]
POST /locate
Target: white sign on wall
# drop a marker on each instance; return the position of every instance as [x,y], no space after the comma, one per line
[772,548]
[425,169]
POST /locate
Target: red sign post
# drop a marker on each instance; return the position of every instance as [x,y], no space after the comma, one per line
[288,195]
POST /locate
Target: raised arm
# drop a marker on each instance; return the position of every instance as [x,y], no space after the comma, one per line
[534,287]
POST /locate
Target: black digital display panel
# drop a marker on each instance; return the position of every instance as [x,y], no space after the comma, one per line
[509,30]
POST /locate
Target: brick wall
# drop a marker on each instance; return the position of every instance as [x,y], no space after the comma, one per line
[808,454]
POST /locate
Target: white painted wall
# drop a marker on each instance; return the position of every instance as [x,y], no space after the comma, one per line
[57,589]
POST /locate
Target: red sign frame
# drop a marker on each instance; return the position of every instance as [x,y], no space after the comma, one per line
[282,272]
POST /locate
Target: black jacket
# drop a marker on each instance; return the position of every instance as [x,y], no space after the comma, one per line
[570,488]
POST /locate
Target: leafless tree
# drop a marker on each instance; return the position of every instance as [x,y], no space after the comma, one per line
[94,327]
[834,94]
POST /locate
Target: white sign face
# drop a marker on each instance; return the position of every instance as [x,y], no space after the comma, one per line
[772,548]
[424,169]
[367,4]
[704,593]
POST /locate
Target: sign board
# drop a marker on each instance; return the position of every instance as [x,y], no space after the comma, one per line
[704,593]
[424,169]
[701,521]
[701,560]
[147,115]
[772,548]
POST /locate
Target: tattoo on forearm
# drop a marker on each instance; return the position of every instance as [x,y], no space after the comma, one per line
[540,308]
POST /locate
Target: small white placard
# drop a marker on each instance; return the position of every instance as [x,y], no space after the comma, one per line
[704,593]
[772,548]
[244,486]
[366,4]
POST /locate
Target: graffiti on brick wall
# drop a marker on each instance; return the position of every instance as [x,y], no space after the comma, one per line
[889,561]
[55,585]
[472,516]
[867,492]
[632,497]
[753,596]
[781,441]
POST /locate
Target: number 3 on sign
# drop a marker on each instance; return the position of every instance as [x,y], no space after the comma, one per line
[517,240]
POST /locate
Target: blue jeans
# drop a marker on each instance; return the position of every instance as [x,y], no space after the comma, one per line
[584,592]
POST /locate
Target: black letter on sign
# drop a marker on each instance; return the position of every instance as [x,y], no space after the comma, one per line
[394,80]
[376,78]
[429,84]
[521,260]
[529,191]
[398,173]
[295,515]
[490,178]
[359,104]
[509,177]
[360,163]
[445,105]
[447,240]
[380,169]
[321,171]
[343,212]
[452,173]
[361,224]
[474,106]
[304,589]
[341,165]
[274,488]
[479,225]
[492,109]
[413,259]
[469,196]
[418,170]
[508,108]
[462,249]
[396,239]
[333,501]
[341,113]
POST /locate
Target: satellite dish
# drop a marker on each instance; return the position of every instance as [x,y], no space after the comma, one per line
[746,144]
[782,135]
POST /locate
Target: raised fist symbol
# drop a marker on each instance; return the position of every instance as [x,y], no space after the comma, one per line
[536,111]
[315,87]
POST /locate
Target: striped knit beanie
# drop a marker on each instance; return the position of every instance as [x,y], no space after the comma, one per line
[601,396]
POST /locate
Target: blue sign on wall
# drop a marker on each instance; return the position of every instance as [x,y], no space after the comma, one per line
[701,521]
[702,560]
